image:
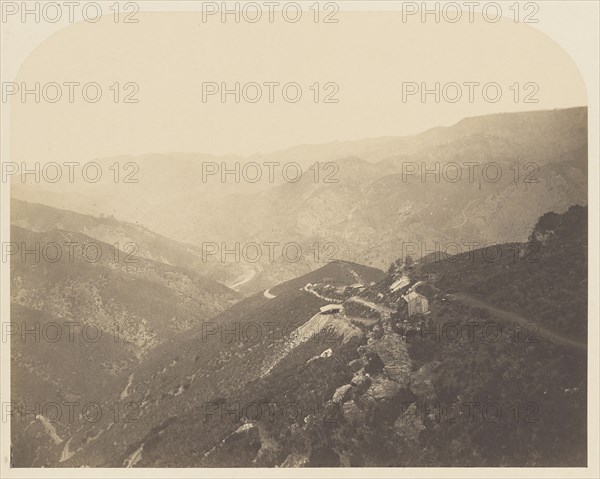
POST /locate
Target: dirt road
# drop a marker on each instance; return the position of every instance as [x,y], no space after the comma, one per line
[506,315]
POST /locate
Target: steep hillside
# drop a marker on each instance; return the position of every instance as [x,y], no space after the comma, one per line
[274,382]
[130,237]
[84,314]
[236,350]
[545,278]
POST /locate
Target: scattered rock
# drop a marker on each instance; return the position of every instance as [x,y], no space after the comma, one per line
[362,350]
[325,354]
[341,393]
[421,383]
[355,364]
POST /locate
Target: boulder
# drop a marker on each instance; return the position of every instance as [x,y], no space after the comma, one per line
[382,388]
[421,383]
[360,379]
[327,353]
[355,364]
[341,393]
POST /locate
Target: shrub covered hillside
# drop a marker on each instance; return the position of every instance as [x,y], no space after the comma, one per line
[545,278]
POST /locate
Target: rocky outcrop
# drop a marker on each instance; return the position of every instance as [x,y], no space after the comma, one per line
[341,393]
[395,358]
[386,353]
[382,388]
[421,382]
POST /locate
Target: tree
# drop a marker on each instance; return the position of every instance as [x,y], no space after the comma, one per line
[408,261]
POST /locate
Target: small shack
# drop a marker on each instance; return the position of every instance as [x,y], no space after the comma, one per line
[417,303]
[331,309]
[358,286]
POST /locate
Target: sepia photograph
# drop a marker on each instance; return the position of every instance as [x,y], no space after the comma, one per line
[299,239]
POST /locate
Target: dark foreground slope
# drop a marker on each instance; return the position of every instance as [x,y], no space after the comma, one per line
[274,383]
[84,315]
[214,359]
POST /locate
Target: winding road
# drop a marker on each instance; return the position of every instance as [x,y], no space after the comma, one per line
[243,279]
[464,213]
[267,294]
[506,315]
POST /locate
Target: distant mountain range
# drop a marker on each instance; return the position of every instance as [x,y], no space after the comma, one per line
[373,209]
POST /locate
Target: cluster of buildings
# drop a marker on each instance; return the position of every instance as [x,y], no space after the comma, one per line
[416,303]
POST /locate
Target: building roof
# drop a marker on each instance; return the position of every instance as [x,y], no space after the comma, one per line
[331,307]
[413,295]
[403,281]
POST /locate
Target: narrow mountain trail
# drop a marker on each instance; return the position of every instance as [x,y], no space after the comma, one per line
[243,280]
[464,213]
[320,296]
[509,316]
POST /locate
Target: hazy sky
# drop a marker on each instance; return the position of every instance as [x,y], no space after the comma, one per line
[367,55]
